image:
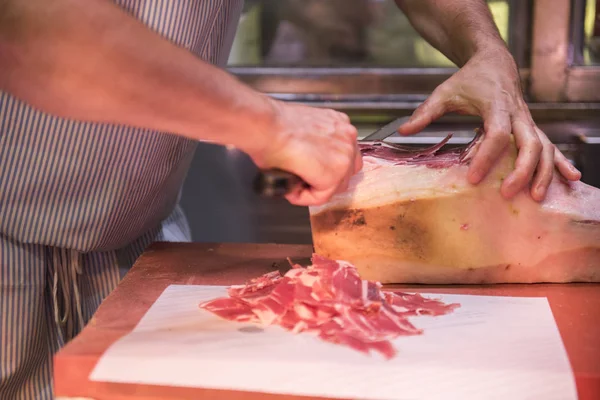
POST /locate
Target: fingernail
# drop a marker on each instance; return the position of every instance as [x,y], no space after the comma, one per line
[540,192]
[571,167]
[575,170]
[475,176]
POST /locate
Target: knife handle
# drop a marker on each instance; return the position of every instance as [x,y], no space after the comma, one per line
[277,183]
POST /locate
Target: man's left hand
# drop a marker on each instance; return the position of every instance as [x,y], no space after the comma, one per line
[488,85]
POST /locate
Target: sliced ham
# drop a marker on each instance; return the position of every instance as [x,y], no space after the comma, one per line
[329,299]
[232,309]
[412,217]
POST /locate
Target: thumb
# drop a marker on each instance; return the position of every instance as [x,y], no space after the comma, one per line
[431,109]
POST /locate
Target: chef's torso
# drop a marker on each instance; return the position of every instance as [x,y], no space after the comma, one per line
[88,186]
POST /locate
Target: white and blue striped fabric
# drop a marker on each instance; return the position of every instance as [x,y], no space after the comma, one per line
[79,202]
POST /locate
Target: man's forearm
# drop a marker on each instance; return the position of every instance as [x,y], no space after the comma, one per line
[458,28]
[89,60]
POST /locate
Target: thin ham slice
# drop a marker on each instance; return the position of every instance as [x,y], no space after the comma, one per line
[232,309]
[329,299]
[411,216]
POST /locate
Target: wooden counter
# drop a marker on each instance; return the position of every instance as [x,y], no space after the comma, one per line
[576,309]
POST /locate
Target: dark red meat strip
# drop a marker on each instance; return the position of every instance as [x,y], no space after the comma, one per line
[434,156]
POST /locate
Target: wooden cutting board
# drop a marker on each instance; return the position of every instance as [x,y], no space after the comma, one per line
[576,309]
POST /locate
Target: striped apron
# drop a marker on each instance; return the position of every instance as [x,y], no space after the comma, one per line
[79,202]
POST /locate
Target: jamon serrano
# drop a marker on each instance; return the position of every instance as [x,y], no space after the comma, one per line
[410,216]
[330,300]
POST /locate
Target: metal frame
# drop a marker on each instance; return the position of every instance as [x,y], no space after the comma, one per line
[519,38]
[551,74]
[556,71]
[411,83]
[344,82]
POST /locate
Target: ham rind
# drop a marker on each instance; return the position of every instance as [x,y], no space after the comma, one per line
[412,217]
[329,299]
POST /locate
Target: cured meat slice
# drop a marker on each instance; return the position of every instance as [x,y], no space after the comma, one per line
[272,307]
[257,287]
[412,217]
[232,309]
[329,299]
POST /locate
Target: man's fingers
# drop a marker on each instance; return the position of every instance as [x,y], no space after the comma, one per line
[343,186]
[545,168]
[342,117]
[431,109]
[565,167]
[310,197]
[530,149]
[497,136]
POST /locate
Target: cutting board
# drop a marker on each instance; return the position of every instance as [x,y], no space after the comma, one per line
[574,308]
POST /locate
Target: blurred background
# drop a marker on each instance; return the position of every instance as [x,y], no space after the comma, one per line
[364,58]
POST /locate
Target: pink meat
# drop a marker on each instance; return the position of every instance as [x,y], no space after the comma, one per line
[415,304]
[270,309]
[329,299]
[257,287]
[231,309]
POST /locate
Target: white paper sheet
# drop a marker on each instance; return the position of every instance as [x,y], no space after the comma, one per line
[490,347]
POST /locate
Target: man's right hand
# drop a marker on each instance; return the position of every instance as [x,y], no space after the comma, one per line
[72,66]
[318,145]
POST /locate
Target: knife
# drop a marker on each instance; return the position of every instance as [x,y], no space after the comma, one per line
[276,183]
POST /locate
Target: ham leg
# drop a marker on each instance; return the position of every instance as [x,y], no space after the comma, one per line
[412,217]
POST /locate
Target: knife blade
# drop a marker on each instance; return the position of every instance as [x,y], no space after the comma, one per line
[276,183]
[385,131]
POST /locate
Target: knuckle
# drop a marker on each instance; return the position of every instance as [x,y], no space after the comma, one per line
[520,176]
[497,129]
[343,116]
[333,114]
[499,138]
[441,92]
[320,125]
[496,133]
[549,152]
[423,106]
[348,147]
[339,164]
[534,144]
[352,132]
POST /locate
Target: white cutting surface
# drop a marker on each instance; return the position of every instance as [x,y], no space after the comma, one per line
[491,347]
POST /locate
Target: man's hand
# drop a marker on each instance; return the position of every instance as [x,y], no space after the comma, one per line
[489,86]
[319,145]
[92,61]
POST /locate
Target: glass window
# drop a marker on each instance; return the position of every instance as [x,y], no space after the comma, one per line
[591,47]
[337,33]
